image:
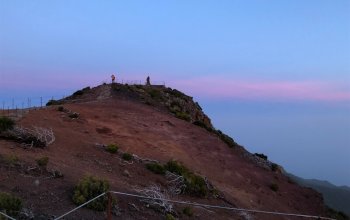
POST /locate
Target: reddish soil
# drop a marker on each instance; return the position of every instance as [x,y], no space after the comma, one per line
[149,133]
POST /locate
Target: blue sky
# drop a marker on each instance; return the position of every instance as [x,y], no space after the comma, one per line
[275,75]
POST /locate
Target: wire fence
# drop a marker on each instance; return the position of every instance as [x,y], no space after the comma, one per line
[234,209]
[17,106]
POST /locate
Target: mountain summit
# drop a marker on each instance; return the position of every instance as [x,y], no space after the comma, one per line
[144,140]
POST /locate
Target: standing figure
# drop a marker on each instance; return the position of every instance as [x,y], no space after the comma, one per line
[148,81]
[113,78]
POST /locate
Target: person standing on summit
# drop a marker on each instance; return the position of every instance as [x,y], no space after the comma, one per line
[113,78]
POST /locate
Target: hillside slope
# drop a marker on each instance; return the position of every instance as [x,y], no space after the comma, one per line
[336,197]
[143,124]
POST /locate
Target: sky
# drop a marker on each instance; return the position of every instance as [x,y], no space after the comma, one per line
[274,75]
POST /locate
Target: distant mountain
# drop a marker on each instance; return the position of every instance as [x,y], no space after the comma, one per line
[336,197]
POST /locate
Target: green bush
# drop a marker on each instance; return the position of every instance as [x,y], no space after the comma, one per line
[169,217]
[227,139]
[10,204]
[127,156]
[88,188]
[81,92]
[156,168]
[176,93]
[262,156]
[60,108]
[42,162]
[11,159]
[183,116]
[73,115]
[274,167]
[112,148]
[155,93]
[203,125]
[187,211]
[195,185]
[274,187]
[53,102]
[6,123]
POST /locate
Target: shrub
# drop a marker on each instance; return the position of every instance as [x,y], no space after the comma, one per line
[274,187]
[203,125]
[183,116]
[10,204]
[155,93]
[127,156]
[6,123]
[42,162]
[227,139]
[156,168]
[262,156]
[187,211]
[53,102]
[88,188]
[11,159]
[81,92]
[112,148]
[60,109]
[195,185]
[274,167]
[176,93]
[73,115]
[169,217]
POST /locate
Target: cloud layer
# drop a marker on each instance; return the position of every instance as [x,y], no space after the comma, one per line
[214,87]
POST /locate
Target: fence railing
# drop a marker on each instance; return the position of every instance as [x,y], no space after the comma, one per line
[110,199]
[11,104]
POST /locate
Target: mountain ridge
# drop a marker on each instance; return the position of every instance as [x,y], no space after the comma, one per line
[142,125]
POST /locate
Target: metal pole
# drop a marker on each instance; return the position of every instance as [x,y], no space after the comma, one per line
[41,102]
[109,208]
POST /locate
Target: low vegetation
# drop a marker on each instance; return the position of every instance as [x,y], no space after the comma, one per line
[82,91]
[227,139]
[54,102]
[6,123]
[154,93]
[73,115]
[274,187]
[169,217]
[112,148]
[262,156]
[183,116]
[224,137]
[187,211]
[42,162]
[156,168]
[9,204]
[60,109]
[274,167]
[11,160]
[195,185]
[88,188]
[203,125]
[127,156]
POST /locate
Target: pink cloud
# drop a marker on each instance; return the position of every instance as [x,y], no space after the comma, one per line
[273,90]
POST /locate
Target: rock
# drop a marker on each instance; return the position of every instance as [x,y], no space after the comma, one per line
[126,173]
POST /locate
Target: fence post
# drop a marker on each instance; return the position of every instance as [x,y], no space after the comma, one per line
[109,207]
